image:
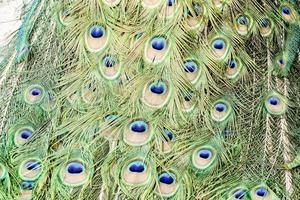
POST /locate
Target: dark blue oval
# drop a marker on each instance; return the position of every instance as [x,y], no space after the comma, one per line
[166,178]
[262,192]
[33,165]
[25,134]
[97,31]
[205,154]
[137,167]
[75,168]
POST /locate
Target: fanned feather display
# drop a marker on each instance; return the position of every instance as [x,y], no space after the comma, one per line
[152,99]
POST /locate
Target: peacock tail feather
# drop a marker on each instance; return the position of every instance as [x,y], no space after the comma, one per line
[152,99]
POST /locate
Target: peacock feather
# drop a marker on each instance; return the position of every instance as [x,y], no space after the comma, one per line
[152,99]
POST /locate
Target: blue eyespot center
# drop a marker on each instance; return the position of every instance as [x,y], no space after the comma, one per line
[109,61]
[66,13]
[137,167]
[169,134]
[190,66]
[171,2]
[97,31]
[239,194]
[286,10]
[205,154]
[220,107]
[274,101]
[264,23]
[25,134]
[262,192]
[158,43]
[188,98]
[35,92]
[219,44]
[281,61]
[27,185]
[33,165]
[158,87]
[75,168]
[232,64]
[243,20]
[139,126]
[166,178]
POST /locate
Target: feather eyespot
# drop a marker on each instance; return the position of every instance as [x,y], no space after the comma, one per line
[27,185]
[240,194]
[288,12]
[243,24]
[156,93]
[189,101]
[74,173]
[138,133]
[265,27]
[205,154]
[243,20]
[234,69]
[139,126]
[137,167]
[75,168]
[34,94]
[264,23]
[169,9]
[281,64]
[220,107]
[30,169]
[158,87]
[110,68]
[168,141]
[97,31]
[203,157]
[219,48]
[195,17]
[136,172]
[89,92]
[21,133]
[171,2]
[169,134]
[64,17]
[190,67]
[156,49]
[192,70]
[96,38]
[25,134]
[167,184]
[33,165]
[166,178]
[221,111]
[158,43]
[261,192]
[219,44]
[275,104]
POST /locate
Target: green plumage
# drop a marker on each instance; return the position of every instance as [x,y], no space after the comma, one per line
[152,99]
